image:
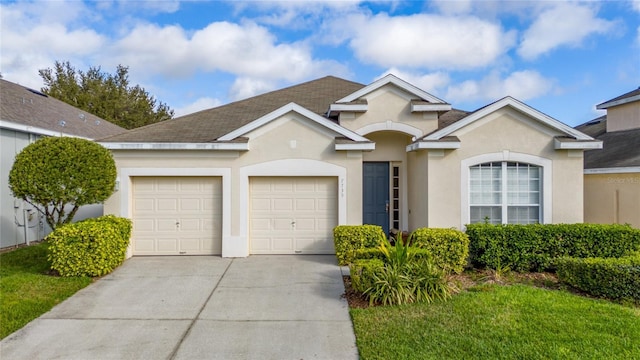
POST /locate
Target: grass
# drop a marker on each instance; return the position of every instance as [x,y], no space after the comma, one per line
[501,322]
[26,289]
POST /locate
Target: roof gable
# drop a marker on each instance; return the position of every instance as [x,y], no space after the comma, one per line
[391,79]
[292,107]
[513,103]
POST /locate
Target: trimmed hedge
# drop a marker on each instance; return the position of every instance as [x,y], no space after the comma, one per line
[449,247]
[350,238]
[362,271]
[613,278]
[534,247]
[93,247]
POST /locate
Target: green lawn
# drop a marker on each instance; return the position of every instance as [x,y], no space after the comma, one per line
[501,322]
[26,291]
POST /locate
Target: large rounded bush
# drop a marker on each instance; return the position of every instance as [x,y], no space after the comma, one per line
[57,175]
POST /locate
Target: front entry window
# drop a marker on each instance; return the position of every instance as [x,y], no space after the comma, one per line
[505,193]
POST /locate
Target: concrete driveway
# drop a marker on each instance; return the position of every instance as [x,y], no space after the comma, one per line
[260,307]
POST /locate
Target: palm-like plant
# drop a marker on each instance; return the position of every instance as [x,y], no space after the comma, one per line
[404,279]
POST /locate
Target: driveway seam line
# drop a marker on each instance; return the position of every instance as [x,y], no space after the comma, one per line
[193,321]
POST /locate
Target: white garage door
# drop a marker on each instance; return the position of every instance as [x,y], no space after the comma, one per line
[293,215]
[177,216]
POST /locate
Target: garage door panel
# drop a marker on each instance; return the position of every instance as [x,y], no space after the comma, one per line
[177,215]
[282,187]
[282,205]
[170,186]
[305,224]
[191,204]
[281,224]
[168,205]
[311,245]
[166,225]
[143,204]
[144,224]
[291,215]
[190,225]
[260,245]
[282,243]
[306,204]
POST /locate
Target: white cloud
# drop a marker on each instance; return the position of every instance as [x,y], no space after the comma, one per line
[202,103]
[426,41]
[565,24]
[245,87]
[522,85]
[636,5]
[246,50]
[35,35]
[431,82]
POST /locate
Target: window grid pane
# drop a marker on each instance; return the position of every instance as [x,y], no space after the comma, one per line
[522,193]
[486,188]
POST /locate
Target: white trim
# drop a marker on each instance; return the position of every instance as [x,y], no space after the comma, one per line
[284,110]
[349,107]
[562,145]
[364,147]
[286,167]
[391,79]
[430,107]
[609,104]
[390,126]
[35,130]
[547,180]
[126,194]
[235,146]
[509,101]
[433,145]
[613,170]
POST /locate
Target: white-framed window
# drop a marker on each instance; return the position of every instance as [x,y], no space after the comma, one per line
[505,192]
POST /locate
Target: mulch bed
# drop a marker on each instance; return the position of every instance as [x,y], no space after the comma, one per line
[461,282]
[355,299]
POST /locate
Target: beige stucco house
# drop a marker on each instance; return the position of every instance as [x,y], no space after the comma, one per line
[273,174]
[612,175]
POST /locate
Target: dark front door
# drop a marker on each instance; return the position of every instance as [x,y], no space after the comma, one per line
[375,184]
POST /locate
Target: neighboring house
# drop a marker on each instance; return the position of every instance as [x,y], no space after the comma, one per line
[273,174]
[25,116]
[612,175]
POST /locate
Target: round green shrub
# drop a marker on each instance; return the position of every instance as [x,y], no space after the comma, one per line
[93,247]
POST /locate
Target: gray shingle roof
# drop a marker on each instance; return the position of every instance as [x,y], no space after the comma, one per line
[24,106]
[633,95]
[619,148]
[451,117]
[208,125]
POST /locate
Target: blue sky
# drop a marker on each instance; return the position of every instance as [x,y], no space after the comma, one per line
[561,57]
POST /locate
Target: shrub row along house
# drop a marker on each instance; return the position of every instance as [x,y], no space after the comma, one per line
[275,173]
[25,116]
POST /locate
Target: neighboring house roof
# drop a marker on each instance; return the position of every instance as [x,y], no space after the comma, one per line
[29,110]
[210,125]
[620,148]
[442,137]
[631,96]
